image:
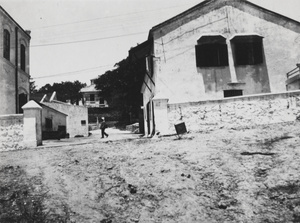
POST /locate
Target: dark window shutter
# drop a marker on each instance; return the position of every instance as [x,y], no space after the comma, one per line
[6,44]
[23,57]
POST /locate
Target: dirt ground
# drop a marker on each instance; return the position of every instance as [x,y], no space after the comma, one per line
[235,175]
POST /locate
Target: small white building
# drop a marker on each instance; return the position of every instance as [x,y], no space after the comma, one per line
[76,116]
[54,123]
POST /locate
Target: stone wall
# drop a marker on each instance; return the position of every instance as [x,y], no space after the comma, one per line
[11,132]
[236,112]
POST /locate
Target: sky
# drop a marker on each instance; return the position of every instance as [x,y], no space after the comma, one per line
[81,39]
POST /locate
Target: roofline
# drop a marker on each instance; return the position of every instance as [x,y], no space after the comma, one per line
[272,12]
[64,103]
[206,2]
[43,105]
[89,91]
[179,15]
[15,22]
[141,45]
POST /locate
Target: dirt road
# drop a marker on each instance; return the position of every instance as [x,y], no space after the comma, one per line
[236,175]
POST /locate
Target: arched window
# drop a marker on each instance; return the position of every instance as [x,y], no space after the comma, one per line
[6,44]
[211,51]
[23,57]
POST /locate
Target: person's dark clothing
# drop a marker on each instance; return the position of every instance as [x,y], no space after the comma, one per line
[103,126]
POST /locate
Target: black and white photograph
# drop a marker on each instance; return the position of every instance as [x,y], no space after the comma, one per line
[149,111]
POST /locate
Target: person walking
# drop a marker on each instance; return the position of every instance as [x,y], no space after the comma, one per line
[103,126]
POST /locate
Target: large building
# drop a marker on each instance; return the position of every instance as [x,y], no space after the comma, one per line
[215,50]
[14,65]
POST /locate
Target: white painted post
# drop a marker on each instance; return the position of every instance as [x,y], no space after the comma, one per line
[161,115]
[231,63]
[32,127]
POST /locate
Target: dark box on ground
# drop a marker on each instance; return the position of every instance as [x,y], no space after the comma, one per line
[180,128]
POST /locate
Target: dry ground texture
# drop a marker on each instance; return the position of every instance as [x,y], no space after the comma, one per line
[236,175]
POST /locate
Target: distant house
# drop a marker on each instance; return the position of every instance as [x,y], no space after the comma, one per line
[91,96]
[14,65]
[215,50]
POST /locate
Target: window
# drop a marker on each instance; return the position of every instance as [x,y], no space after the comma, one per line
[48,123]
[83,122]
[6,44]
[232,93]
[92,97]
[211,51]
[101,101]
[248,50]
[23,57]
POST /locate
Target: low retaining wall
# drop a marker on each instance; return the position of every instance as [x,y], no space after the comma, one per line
[11,132]
[7,120]
[236,112]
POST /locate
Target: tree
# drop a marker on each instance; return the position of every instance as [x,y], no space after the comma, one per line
[32,87]
[64,90]
[121,86]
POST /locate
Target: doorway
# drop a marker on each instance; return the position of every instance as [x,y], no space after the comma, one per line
[22,101]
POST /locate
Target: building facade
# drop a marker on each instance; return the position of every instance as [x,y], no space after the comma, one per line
[14,65]
[215,50]
[91,96]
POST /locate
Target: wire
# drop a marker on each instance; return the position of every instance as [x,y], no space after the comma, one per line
[85,30]
[71,72]
[106,17]
[87,40]
[93,30]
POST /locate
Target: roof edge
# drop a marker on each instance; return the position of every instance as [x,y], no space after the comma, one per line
[42,104]
[221,3]
[17,24]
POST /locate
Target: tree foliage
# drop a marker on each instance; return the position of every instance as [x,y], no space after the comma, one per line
[121,87]
[32,87]
[64,90]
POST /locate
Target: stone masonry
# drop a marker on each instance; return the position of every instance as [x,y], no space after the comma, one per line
[236,112]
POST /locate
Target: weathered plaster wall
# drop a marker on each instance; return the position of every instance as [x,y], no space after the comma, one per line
[281,52]
[7,88]
[76,114]
[180,80]
[7,67]
[58,119]
[236,112]
[11,132]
